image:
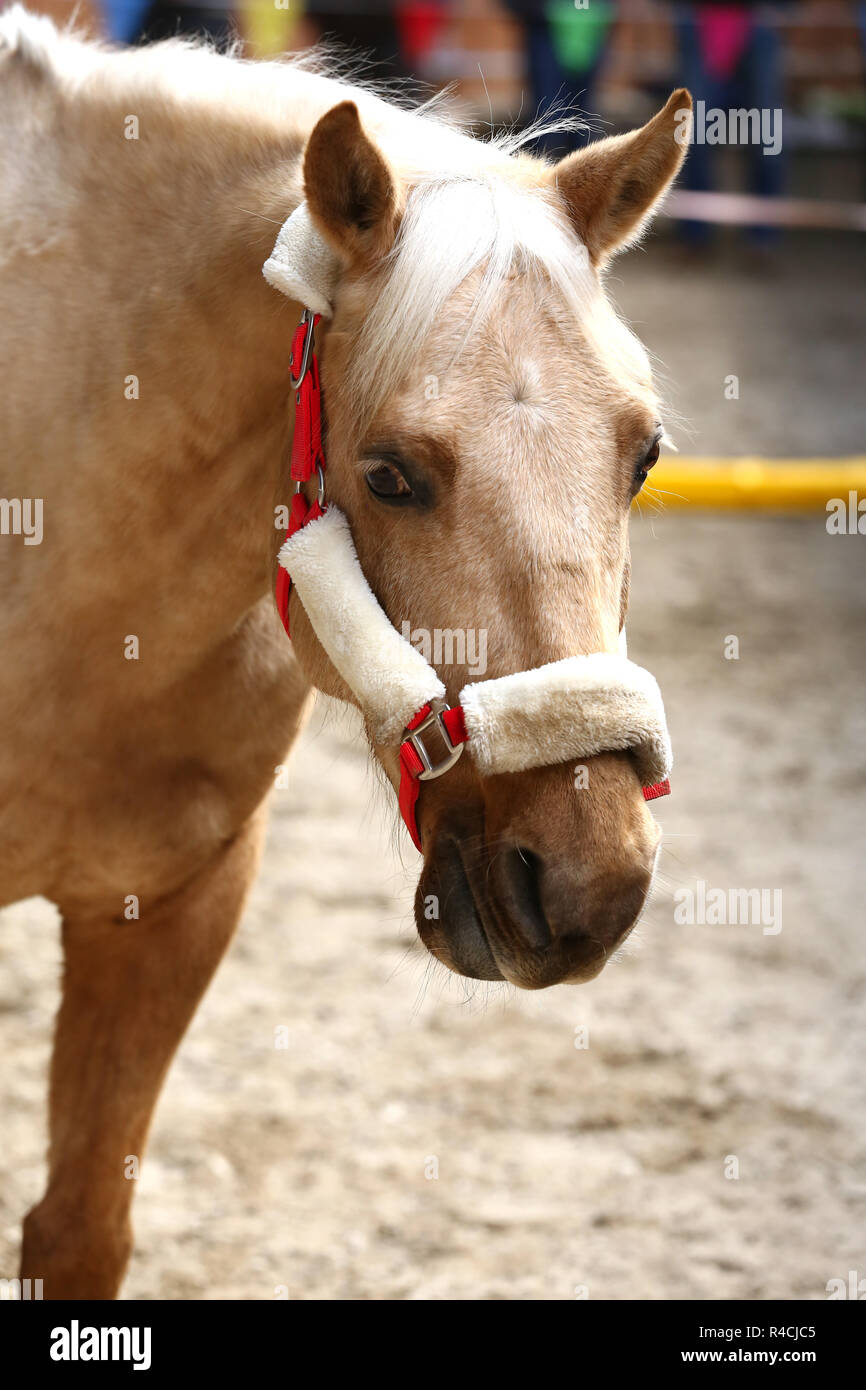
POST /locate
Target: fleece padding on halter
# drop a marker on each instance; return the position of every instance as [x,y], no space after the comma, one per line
[388,676]
[303,265]
[577,707]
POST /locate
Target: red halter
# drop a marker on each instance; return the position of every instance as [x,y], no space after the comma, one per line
[417,763]
[307,454]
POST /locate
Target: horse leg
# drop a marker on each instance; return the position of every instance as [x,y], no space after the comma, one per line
[129,992]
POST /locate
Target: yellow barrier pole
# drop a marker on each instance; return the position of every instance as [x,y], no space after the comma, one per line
[755,483]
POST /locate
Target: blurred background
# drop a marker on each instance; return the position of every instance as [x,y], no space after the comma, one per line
[780,215]
[506,60]
[693,1123]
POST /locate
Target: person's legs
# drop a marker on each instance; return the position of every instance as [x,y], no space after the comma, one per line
[586,92]
[549,84]
[697,170]
[762,71]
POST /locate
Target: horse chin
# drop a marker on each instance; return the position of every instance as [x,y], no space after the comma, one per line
[501,913]
[449,922]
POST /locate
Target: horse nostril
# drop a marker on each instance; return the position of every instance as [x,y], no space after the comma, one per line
[515,875]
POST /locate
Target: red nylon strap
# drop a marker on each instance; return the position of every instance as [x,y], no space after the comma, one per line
[455,722]
[281,592]
[418,718]
[410,787]
[306,451]
[411,767]
[307,439]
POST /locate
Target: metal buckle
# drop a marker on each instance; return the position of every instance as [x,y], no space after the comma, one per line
[431,770]
[294,381]
[299,486]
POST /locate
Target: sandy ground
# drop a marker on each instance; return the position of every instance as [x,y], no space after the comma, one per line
[307,1169]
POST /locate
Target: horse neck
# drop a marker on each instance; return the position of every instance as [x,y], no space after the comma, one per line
[141,258]
[152,272]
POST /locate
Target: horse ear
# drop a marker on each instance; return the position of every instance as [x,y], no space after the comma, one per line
[612,186]
[348,186]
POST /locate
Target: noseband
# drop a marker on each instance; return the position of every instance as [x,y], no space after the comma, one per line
[577,707]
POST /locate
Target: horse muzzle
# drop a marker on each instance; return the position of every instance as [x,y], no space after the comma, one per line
[525,883]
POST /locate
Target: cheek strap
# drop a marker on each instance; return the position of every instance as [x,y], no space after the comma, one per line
[574,708]
[388,677]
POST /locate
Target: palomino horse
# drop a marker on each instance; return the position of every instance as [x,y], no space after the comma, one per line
[489,422]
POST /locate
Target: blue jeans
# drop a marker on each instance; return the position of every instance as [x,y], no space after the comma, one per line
[552,85]
[756,82]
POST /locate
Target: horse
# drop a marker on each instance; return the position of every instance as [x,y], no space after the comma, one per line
[489,421]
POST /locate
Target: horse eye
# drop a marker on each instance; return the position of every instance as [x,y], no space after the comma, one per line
[386,481]
[651,458]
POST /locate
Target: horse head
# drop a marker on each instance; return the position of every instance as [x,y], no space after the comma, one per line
[490,420]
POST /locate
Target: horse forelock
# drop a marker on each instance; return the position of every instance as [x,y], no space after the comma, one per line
[457,228]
